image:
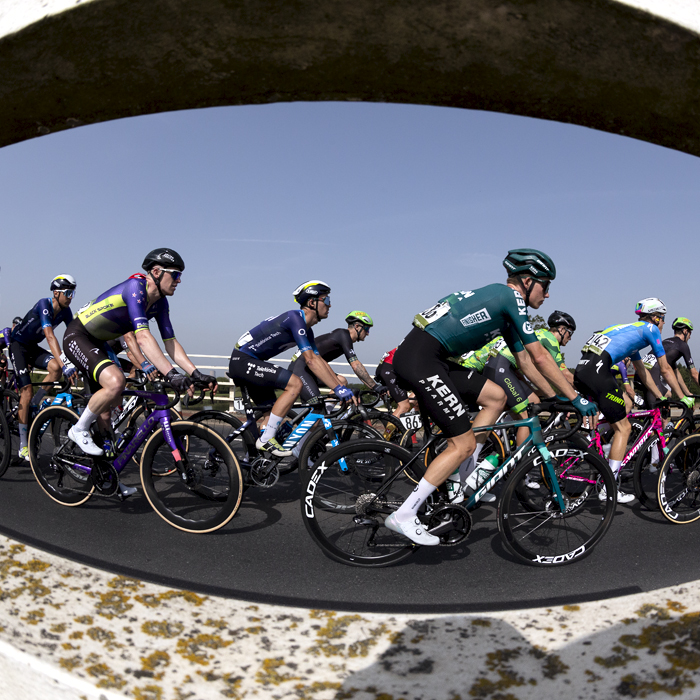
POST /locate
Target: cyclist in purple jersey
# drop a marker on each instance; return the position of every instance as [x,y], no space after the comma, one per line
[249,367]
[125,310]
[25,351]
[5,343]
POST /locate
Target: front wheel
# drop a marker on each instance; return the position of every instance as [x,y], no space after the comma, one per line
[532,523]
[342,510]
[209,494]
[678,487]
[645,475]
[59,465]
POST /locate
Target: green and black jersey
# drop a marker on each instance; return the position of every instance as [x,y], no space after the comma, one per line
[465,321]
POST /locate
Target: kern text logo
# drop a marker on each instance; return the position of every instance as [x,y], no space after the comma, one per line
[477,317]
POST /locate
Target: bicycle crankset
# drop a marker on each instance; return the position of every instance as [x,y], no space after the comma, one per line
[264,472]
[104,477]
[451,523]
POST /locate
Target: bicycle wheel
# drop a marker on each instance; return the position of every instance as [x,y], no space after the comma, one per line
[135,421]
[5,444]
[224,425]
[59,465]
[213,493]
[387,426]
[678,490]
[530,521]
[316,441]
[10,406]
[645,475]
[341,511]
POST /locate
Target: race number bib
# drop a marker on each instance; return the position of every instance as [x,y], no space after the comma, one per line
[432,314]
[245,338]
[649,360]
[499,346]
[596,343]
[411,421]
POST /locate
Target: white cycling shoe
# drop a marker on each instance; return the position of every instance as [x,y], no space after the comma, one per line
[272,447]
[621,497]
[84,441]
[127,491]
[413,529]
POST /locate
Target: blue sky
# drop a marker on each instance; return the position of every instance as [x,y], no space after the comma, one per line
[394,206]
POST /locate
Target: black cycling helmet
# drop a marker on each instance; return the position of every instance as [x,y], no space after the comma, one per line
[559,318]
[62,282]
[165,257]
[16,320]
[310,290]
[529,262]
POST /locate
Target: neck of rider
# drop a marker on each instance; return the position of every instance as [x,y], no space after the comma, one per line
[311,313]
[522,285]
[55,303]
[152,291]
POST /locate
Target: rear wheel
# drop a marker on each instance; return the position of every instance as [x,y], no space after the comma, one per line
[530,520]
[645,475]
[209,495]
[59,465]
[678,488]
[5,444]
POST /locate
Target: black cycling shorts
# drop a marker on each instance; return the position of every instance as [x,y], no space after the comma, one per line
[309,381]
[445,390]
[594,380]
[259,377]
[501,372]
[385,375]
[24,357]
[87,353]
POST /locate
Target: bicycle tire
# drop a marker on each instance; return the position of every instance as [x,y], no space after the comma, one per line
[645,477]
[214,497]
[316,441]
[529,520]
[337,506]
[388,426]
[678,489]
[51,453]
[5,444]
[10,401]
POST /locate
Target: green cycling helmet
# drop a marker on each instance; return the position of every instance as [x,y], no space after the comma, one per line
[360,316]
[529,263]
[682,322]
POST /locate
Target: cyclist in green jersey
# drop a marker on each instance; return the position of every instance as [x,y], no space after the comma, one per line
[458,323]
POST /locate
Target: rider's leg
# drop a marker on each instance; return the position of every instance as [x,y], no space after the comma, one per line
[622,430]
[112,383]
[281,407]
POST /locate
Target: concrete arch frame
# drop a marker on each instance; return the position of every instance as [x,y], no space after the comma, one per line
[630,67]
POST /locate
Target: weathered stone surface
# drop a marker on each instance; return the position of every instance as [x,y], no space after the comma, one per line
[599,63]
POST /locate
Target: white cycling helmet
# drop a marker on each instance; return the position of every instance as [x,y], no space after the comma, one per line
[62,282]
[649,306]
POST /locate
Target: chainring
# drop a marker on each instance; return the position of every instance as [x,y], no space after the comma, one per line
[451,523]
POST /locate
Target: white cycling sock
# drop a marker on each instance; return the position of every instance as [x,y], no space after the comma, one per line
[273,422]
[410,506]
[23,442]
[615,466]
[479,447]
[87,418]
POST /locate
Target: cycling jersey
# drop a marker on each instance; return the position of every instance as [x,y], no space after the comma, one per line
[551,345]
[676,348]
[619,371]
[122,309]
[31,329]
[625,340]
[331,346]
[465,321]
[277,334]
[4,338]
[388,357]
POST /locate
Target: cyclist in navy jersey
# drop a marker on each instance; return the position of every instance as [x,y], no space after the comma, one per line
[125,310]
[25,351]
[331,346]
[248,365]
[594,378]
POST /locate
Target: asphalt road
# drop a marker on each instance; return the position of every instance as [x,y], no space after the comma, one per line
[265,555]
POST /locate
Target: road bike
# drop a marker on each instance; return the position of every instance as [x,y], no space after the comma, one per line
[352,488]
[189,474]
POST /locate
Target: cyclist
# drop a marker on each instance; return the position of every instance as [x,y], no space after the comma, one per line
[5,343]
[120,310]
[330,346]
[460,322]
[593,376]
[561,329]
[25,351]
[249,366]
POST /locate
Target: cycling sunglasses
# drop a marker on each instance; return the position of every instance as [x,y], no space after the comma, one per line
[326,300]
[175,274]
[69,293]
[545,285]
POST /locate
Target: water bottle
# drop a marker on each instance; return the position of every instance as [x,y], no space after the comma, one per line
[483,471]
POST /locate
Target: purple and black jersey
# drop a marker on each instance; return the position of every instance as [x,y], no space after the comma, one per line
[122,309]
[31,330]
[277,334]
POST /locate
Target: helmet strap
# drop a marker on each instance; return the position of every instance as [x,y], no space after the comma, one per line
[527,290]
[156,280]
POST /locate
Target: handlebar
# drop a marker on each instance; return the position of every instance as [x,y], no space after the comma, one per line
[555,406]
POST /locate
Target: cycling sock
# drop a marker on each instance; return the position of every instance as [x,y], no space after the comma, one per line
[87,418]
[615,466]
[410,506]
[273,422]
[22,435]
[655,454]
[36,400]
[479,446]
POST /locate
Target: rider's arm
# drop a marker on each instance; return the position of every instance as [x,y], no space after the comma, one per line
[150,348]
[320,368]
[669,375]
[53,343]
[362,374]
[528,368]
[177,352]
[643,374]
[547,367]
[132,346]
[681,383]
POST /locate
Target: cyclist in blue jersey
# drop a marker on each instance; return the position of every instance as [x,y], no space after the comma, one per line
[249,366]
[593,376]
[25,351]
[125,310]
[425,362]
[5,344]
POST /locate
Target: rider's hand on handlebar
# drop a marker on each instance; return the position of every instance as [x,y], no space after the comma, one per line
[180,382]
[149,370]
[209,379]
[345,394]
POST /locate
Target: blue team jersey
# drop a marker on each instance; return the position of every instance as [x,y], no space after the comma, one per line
[31,329]
[277,334]
[626,340]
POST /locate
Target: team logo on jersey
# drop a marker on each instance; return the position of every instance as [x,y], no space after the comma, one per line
[527,327]
[477,317]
